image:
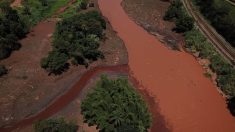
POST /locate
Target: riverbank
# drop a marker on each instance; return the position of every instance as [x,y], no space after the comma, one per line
[187,99]
[27,88]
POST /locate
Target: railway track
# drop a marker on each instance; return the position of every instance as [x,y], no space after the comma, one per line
[222,46]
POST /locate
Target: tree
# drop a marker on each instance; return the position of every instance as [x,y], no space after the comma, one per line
[55,125]
[231,105]
[12,28]
[3,70]
[83,4]
[174,10]
[56,62]
[184,23]
[115,106]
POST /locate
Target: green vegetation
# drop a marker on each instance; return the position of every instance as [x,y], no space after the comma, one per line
[196,42]
[76,39]
[221,16]
[114,106]
[84,4]
[55,125]
[56,62]
[71,10]
[231,105]
[34,11]
[12,28]
[3,70]
[177,13]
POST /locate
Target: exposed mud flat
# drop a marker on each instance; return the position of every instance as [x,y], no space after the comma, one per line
[149,15]
[187,99]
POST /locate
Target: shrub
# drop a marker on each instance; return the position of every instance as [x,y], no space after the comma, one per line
[184,23]
[115,106]
[3,70]
[174,10]
[56,62]
[83,4]
[55,125]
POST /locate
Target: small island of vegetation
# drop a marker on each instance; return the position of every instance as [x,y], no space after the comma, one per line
[114,106]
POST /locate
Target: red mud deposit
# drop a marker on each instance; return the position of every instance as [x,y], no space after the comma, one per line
[65,99]
[187,99]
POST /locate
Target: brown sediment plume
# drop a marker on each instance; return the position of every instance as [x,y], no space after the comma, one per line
[187,99]
[66,98]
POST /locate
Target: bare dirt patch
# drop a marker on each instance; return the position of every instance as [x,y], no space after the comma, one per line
[149,14]
[27,88]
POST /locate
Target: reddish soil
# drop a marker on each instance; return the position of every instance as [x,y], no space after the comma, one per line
[149,14]
[27,88]
[187,99]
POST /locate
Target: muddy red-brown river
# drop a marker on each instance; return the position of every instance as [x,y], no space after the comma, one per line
[187,99]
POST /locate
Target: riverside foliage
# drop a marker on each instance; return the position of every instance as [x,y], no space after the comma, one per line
[114,106]
[196,42]
[76,39]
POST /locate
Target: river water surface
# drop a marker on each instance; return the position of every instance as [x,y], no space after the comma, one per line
[187,99]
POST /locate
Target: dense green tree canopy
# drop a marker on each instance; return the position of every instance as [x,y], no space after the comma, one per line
[12,28]
[114,106]
[221,16]
[77,37]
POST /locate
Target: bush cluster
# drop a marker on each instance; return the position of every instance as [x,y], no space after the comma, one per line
[115,106]
[219,13]
[182,20]
[55,125]
[12,28]
[76,38]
